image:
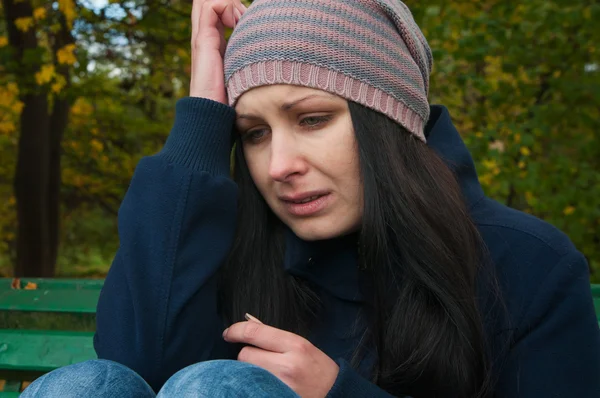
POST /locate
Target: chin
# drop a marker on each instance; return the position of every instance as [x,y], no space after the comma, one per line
[312,230]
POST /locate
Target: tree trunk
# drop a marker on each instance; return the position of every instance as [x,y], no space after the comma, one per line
[58,124]
[31,190]
[37,179]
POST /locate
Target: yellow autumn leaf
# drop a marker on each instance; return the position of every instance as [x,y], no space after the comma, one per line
[489,164]
[7,127]
[568,210]
[59,83]
[96,145]
[525,151]
[24,24]
[486,179]
[57,87]
[82,108]
[12,88]
[39,13]
[17,107]
[15,284]
[66,55]
[45,75]
[67,7]
[3,41]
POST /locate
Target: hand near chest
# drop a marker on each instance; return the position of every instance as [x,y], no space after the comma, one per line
[292,358]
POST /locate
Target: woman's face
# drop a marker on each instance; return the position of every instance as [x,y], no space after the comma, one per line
[302,155]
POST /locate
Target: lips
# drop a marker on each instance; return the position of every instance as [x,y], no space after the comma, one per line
[306,204]
[303,197]
[309,199]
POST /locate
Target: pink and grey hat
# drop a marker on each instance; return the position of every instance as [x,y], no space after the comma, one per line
[368,51]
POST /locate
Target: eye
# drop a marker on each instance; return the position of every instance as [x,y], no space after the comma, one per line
[315,121]
[254,136]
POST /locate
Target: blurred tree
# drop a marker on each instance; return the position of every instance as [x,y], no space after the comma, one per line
[121,80]
[42,48]
[522,82]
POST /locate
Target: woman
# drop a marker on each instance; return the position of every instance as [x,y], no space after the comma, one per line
[355,229]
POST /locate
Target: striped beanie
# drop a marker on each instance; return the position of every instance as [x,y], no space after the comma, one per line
[368,51]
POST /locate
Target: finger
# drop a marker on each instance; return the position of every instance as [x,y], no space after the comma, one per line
[196,10]
[212,14]
[259,357]
[263,336]
[210,29]
[251,318]
[226,10]
[240,6]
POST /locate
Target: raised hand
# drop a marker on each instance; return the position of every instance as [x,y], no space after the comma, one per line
[209,19]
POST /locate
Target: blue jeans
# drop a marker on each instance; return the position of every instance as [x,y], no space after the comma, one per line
[105,379]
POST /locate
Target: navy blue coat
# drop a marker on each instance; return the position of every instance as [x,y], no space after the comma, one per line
[157,311]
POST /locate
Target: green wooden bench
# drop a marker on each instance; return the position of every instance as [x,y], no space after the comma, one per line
[26,353]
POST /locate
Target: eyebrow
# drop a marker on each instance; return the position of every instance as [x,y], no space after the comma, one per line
[289,105]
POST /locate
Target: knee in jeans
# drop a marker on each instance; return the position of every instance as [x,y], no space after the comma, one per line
[211,370]
[206,378]
[86,378]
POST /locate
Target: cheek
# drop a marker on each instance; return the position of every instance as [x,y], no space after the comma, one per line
[258,170]
[348,171]
[343,160]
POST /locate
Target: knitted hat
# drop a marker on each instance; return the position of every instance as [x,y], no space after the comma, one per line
[368,51]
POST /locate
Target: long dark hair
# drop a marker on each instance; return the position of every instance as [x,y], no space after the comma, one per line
[421,254]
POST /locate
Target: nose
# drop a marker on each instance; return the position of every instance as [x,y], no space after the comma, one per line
[286,159]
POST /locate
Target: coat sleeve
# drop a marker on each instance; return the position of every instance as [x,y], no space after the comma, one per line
[351,384]
[157,310]
[556,351]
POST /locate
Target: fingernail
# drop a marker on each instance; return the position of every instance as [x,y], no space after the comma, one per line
[225,332]
[251,318]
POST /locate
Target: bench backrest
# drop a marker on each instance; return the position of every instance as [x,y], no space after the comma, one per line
[39,351]
[43,350]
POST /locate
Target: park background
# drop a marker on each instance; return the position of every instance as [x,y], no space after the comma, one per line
[88,87]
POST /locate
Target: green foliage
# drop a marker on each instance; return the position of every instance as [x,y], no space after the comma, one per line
[522,82]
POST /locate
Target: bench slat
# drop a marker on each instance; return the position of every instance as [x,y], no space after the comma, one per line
[45,300]
[42,350]
[59,283]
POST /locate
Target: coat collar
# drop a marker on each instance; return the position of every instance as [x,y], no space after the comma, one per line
[330,264]
[444,139]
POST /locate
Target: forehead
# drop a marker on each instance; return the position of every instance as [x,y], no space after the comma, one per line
[278,94]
